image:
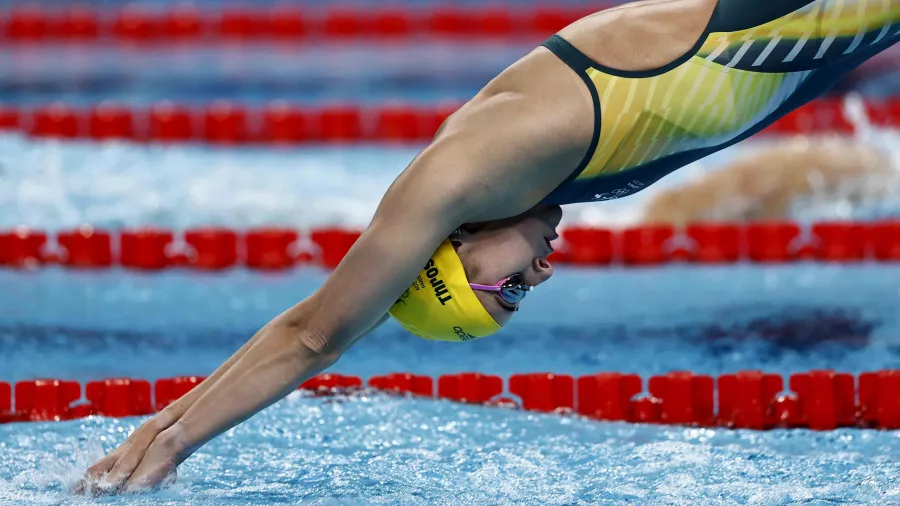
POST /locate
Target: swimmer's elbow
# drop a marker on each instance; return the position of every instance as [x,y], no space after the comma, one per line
[313,344]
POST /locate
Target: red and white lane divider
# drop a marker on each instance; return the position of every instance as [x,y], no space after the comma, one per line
[818,399]
[229,123]
[153,249]
[31,24]
[285,123]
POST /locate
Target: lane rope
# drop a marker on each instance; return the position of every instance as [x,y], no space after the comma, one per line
[211,249]
[817,400]
[280,122]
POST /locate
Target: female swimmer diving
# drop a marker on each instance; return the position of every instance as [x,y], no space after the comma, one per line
[601,110]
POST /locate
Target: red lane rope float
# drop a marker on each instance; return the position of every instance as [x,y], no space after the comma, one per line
[169,122]
[883,240]
[22,247]
[404,383]
[46,399]
[212,248]
[228,123]
[33,24]
[771,242]
[714,242]
[168,390]
[585,246]
[145,249]
[645,245]
[473,388]
[281,122]
[544,392]
[270,249]
[111,121]
[151,249]
[818,400]
[85,248]
[9,118]
[120,397]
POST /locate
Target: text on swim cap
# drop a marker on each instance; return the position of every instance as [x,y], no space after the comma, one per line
[440,290]
[463,335]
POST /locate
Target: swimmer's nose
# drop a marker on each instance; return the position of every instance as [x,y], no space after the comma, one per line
[542,271]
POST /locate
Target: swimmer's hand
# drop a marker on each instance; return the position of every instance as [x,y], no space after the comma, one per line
[146,459]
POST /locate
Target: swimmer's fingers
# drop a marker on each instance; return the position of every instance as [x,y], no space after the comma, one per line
[127,458]
[157,468]
[158,477]
[109,473]
[119,474]
[96,472]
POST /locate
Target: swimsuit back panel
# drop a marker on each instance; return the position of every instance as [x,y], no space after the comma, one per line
[730,86]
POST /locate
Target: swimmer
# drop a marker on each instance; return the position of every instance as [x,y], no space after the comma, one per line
[601,110]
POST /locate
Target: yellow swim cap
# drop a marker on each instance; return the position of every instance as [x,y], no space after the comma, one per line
[440,305]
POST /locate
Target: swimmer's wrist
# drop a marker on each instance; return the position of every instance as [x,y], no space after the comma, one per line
[163,420]
[175,440]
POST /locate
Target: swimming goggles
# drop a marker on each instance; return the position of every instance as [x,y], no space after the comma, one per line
[510,289]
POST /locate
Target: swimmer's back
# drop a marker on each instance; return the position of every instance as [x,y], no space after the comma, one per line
[643,35]
[649,87]
[674,81]
[652,34]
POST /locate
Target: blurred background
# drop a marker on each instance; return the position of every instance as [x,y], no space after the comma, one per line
[328,101]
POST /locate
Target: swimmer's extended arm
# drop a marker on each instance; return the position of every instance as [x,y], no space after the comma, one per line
[119,464]
[411,222]
[499,163]
[173,412]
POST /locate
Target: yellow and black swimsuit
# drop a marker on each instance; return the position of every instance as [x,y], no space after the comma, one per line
[756,61]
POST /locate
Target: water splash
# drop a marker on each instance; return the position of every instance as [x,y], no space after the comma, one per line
[381,450]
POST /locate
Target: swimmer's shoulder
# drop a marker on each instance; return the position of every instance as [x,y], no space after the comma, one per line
[642,35]
[519,137]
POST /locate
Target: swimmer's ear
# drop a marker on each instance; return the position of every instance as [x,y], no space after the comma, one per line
[469,229]
[455,238]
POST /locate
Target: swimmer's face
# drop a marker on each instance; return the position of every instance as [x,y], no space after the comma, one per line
[518,246]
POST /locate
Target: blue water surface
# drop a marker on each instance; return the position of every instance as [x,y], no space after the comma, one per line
[380,450]
[373,449]
[87,325]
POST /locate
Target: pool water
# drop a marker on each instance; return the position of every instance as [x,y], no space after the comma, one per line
[85,326]
[374,449]
[381,450]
